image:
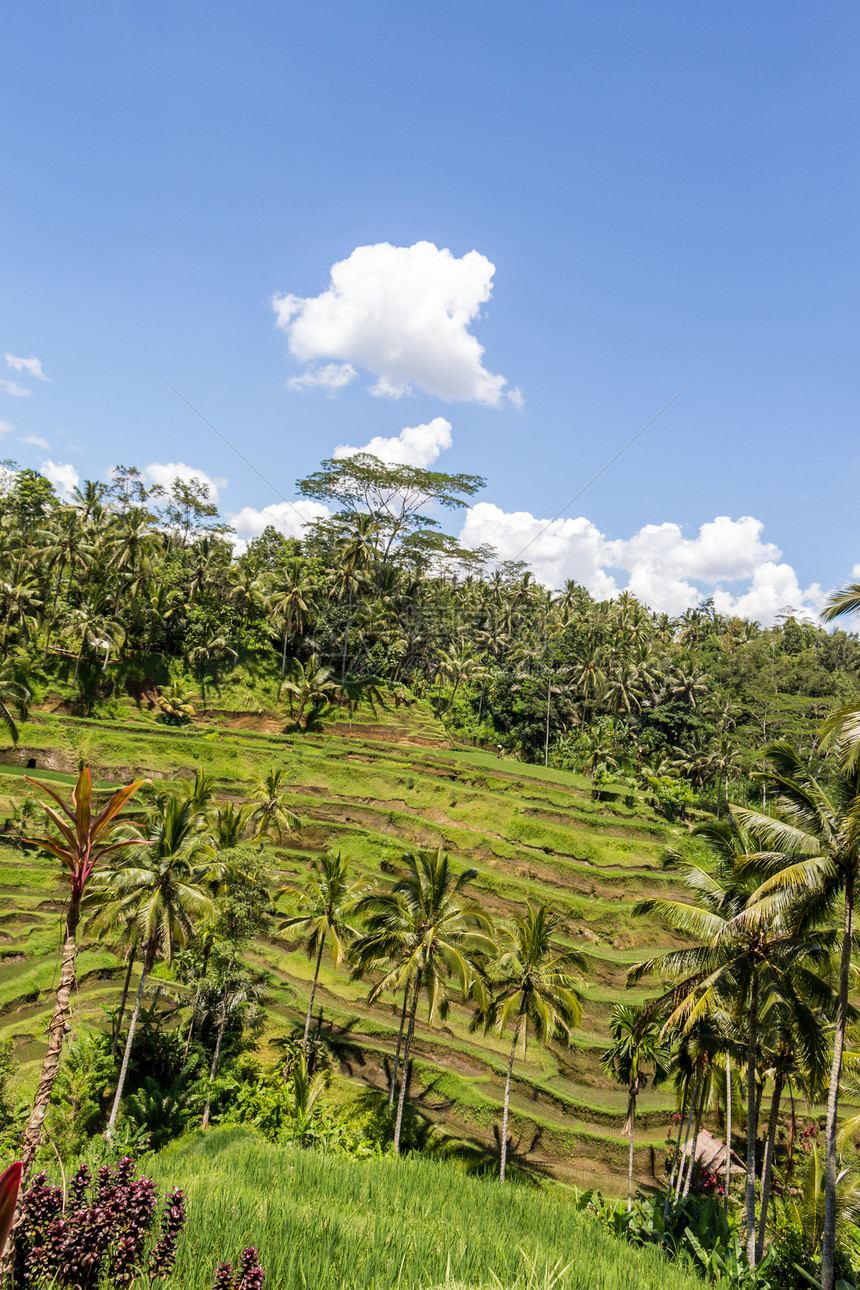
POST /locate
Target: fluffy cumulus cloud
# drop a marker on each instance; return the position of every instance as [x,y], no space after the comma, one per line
[35,441]
[29,366]
[163,474]
[404,313]
[414,446]
[658,564]
[6,427]
[289,518]
[62,475]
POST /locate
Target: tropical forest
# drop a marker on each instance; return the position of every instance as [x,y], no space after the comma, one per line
[375,915]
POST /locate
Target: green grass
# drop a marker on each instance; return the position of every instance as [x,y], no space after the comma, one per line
[329,1223]
[365,787]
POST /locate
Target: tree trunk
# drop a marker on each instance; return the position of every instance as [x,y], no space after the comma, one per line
[767,1166]
[346,637]
[671,1184]
[728,1132]
[56,1035]
[393,1084]
[117,1030]
[691,1167]
[684,1157]
[126,1057]
[404,1083]
[546,740]
[215,1060]
[311,1000]
[631,1122]
[504,1143]
[828,1243]
[80,656]
[749,1219]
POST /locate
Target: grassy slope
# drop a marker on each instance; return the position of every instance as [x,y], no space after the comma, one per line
[373,788]
[415,1223]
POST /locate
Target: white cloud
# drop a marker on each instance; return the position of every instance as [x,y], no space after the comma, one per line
[32,366]
[288,518]
[62,475]
[164,473]
[331,377]
[658,564]
[36,440]
[6,427]
[13,389]
[414,446]
[403,313]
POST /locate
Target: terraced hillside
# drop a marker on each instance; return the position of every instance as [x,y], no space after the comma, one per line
[373,788]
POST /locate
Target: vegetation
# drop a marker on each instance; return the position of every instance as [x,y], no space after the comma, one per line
[653,872]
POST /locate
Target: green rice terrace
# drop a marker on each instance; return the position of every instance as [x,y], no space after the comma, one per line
[374,787]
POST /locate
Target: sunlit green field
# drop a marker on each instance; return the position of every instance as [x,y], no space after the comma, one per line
[329,1223]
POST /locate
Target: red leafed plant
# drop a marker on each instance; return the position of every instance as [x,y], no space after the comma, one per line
[10,1181]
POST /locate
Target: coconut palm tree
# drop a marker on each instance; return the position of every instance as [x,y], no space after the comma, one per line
[811,839]
[427,933]
[323,908]
[84,839]
[637,1043]
[270,814]
[13,695]
[532,985]
[163,887]
[744,957]
[290,597]
[313,686]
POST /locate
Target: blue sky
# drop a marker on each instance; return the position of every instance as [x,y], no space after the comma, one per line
[631,196]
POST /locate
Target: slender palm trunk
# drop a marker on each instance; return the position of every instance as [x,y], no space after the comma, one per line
[56,1035]
[346,636]
[685,1158]
[671,1186]
[393,1085]
[752,1126]
[129,1039]
[80,656]
[631,1123]
[50,1066]
[118,1028]
[505,1112]
[728,1132]
[187,1048]
[311,1000]
[215,1059]
[287,625]
[546,740]
[767,1166]
[694,1154]
[828,1243]
[404,1083]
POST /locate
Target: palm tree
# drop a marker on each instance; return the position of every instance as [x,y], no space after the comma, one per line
[637,1043]
[270,815]
[163,888]
[12,695]
[323,908]
[811,837]
[85,840]
[313,686]
[744,957]
[290,596]
[237,990]
[426,933]
[532,985]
